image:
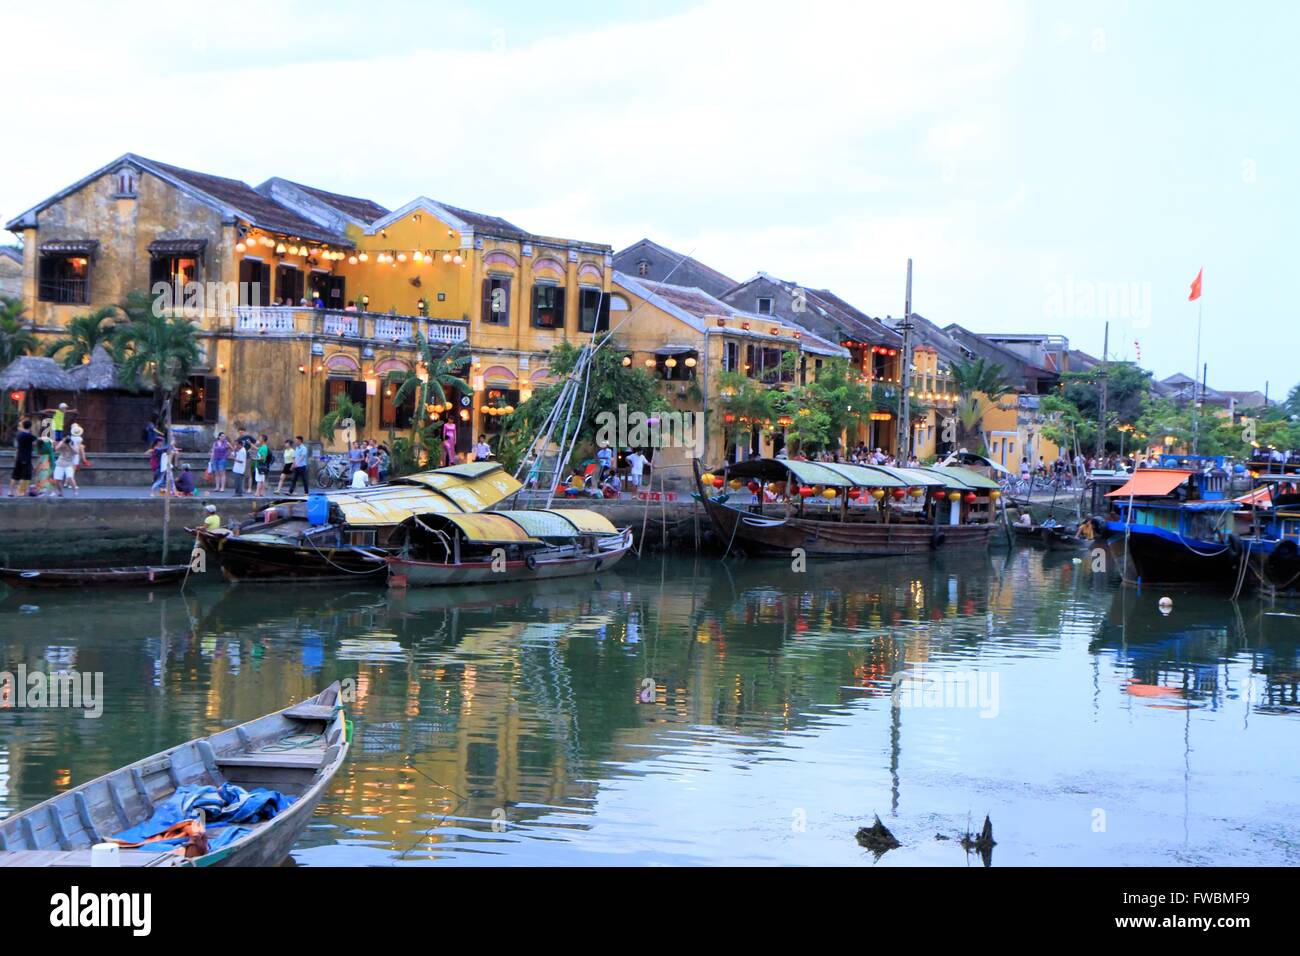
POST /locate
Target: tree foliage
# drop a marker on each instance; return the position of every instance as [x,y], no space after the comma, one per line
[155,348]
[83,333]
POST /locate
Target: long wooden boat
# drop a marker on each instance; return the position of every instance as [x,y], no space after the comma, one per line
[500,546]
[867,515]
[142,575]
[346,535]
[266,752]
[1055,538]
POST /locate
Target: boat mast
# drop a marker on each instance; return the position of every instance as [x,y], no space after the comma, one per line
[904,443]
[1103,376]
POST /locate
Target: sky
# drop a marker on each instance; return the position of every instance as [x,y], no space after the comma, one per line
[1047,166]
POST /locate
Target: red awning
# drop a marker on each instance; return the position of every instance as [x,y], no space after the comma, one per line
[1259,498]
[1150,483]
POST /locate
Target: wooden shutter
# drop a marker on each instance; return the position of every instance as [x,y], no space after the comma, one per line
[211,398]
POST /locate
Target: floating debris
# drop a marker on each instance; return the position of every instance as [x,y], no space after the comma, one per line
[982,844]
[877,838]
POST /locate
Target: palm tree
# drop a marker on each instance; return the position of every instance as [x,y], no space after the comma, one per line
[82,334]
[431,387]
[980,383]
[15,339]
[344,408]
[156,349]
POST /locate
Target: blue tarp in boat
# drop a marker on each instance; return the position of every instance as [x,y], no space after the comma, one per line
[223,806]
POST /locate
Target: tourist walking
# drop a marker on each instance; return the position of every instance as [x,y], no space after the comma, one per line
[286,466]
[24,447]
[155,464]
[43,463]
[299,454]
[636,463]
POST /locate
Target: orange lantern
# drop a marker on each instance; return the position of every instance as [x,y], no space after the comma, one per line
[805,491]
[970,498]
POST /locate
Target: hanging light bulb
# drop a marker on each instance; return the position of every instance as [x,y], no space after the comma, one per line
[352,260]
[401,257]
[280,249]
[457,259]
[240,247]
[690,362]
[293,250]
[417,256]
[627,360]
[446,257]
[364,257]
[670,362]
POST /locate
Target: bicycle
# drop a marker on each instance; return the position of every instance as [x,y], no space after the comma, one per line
[333,472]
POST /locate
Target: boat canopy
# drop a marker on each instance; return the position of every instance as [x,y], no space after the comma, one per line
[825,473]
[588,522]
[389,504]
[1150,483]
[915,476]
[965,478]
[490,528]
[475,486]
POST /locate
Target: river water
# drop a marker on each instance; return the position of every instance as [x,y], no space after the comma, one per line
[694,712]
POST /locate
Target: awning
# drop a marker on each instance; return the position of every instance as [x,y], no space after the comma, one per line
[71,247]
[588,522]
[1150,483]
[389,504]
[178,247]
[475,486]
[865,476]
[491,528]
[914,476]
[542,524]
[675,350]
[971,480]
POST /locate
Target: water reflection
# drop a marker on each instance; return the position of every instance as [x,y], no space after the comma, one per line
[688,712]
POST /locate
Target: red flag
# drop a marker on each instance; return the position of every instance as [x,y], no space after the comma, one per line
[1196,287]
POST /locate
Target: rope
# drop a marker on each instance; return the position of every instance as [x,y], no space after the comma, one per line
[337,567]
[293,742]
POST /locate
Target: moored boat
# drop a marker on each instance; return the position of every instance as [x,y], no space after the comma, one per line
[346,535]
[842,510]
[500,546]
[136,576]
[295,752]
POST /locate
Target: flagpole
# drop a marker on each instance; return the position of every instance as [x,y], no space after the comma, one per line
[1196,404]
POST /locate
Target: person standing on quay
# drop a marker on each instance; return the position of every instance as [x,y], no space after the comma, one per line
[65,465]
[286,469]
[262,465]
[239,467]
[299,453]
[24,445]
[218,462]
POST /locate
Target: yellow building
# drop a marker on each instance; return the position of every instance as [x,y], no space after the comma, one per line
[301,295]
[686,337]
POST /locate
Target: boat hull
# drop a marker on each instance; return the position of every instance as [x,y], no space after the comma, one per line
[768,536]
[404,572]
[252,561]
[92,577]
[1167,561]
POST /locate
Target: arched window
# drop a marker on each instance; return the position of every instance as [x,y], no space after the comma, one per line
[126,183]
[643,267]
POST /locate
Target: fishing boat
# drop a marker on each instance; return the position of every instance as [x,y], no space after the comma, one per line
[776,505]
[347,535]
[1270,535]
[1173,526]
[295,751]
[1052,537]
[500,546]
[142,575]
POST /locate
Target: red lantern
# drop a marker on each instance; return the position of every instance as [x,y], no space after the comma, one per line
[970,498]
[805,491]
[899,494]
[718,481]
[754,486]
[855,494]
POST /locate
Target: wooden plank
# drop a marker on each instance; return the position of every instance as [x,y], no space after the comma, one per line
[290,759]
[83,810]
[56,821]
[310,712]
[118,805]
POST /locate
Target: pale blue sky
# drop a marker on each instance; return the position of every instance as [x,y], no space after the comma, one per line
[1047,165]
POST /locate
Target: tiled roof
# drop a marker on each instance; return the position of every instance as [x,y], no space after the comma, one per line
[684,270]
[12,252]
[364,210]
[482,222]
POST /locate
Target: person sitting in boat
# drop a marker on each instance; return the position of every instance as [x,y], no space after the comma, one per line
[1051,523]
[1026,520]
[213,520]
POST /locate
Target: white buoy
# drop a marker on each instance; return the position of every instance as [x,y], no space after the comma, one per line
[1166,605]
[105,854]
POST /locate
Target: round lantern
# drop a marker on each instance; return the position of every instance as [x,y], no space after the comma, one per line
[899,494]
[805,491]
[854,494]
[916,492]
[954,496]
[754,487]
[829,493]
[706,479]
[735,484]
[877,493]
[970,498]
[994,495]
[718,481]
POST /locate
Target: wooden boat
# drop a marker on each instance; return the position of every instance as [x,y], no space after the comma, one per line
[500,546]
[1053,537]
[143,575]
[1175,527]
[353,530]
[867,516]
[61,831]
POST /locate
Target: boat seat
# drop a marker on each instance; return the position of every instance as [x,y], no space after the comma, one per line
[288,759]
[310,712]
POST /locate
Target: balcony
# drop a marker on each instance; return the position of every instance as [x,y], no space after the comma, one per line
[290,321]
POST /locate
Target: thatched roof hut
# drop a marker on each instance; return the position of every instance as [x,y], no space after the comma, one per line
[36,373]
[97,375]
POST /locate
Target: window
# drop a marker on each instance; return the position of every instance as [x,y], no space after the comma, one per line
[254,282]
[177,272]
[751,362]
[731,357]
[126,183]
[643,267]
[197,400]
[395,416]
[327,287]
[764,305]
[673,368]
[593,310]
[496,300]
[65,279]
[335,386]
[548,307]
[288,285]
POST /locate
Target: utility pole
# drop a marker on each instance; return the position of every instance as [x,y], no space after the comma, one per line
[905,376]
[1102,376]
[1198,394]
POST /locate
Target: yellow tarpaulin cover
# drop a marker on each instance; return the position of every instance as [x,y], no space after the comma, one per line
[390,504]
[589,522]
[491,529]
[475,486]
